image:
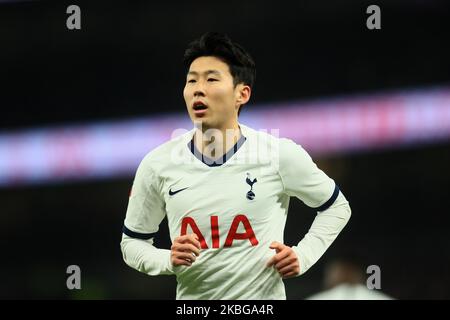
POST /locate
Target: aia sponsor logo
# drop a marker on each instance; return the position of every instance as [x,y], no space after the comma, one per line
[233,235]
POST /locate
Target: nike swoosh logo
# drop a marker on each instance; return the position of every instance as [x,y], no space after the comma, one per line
[171,193]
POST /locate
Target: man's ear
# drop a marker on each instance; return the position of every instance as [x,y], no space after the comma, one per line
[243,93]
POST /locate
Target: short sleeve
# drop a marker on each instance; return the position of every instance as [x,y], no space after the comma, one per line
[303,179]
[146,208]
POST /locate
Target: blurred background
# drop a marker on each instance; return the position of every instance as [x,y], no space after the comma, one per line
[80,109]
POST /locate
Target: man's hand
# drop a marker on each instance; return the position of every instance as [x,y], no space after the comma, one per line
[184,250]
[285,260]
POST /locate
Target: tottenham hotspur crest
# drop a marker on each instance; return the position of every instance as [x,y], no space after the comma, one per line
[250,182]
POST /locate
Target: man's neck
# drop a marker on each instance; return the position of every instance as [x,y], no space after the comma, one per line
[215,142]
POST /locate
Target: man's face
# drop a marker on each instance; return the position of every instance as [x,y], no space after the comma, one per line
[210,95]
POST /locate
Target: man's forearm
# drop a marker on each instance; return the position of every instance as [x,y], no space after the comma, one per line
[144,257]
[325,228]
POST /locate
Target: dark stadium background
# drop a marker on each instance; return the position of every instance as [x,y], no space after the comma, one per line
[126,62]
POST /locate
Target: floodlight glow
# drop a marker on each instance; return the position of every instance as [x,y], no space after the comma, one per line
[345,124]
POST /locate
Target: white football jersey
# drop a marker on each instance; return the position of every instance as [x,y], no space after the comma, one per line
[237,207]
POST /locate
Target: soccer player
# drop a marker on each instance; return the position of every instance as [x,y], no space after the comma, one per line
[345,279]
[225,189]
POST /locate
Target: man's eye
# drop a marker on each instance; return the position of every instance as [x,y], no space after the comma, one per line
[212,79]
[191,81]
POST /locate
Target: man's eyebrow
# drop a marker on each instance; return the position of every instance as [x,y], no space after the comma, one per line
[194,73]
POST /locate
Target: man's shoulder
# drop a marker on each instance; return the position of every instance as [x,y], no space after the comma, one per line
[261,135]
[285,149]
[266,135]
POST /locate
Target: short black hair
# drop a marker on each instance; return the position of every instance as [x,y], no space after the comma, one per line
[219,45]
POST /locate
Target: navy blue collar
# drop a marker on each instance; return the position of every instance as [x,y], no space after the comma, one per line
[215,163]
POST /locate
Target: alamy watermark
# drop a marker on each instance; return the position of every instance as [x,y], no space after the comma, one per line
[263,151]
[73,21]
[374,20]
[374,280]
[74,279]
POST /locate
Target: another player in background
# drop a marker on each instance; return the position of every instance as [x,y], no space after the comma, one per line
[345,279]
[225,189]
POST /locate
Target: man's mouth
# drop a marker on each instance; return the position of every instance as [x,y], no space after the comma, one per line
[199,108]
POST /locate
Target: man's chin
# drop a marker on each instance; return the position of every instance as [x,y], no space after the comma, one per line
[202,123]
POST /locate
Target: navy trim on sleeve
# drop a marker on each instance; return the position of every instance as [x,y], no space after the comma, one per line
[330,201]
[132,234]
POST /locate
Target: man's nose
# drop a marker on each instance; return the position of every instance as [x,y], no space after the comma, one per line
[199,89]
[199,93]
